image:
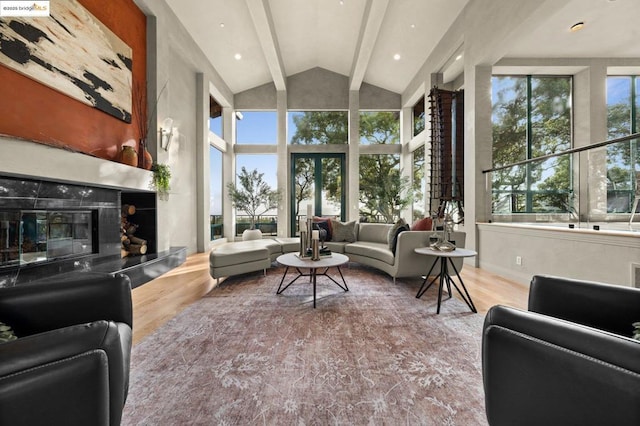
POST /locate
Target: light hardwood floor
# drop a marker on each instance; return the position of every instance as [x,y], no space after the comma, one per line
[159,300]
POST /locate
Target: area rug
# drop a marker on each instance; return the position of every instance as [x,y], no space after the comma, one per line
[374,355]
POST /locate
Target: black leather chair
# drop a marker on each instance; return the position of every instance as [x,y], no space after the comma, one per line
[70,363]
[568,360]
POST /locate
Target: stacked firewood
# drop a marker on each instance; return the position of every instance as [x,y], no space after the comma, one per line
[131,245]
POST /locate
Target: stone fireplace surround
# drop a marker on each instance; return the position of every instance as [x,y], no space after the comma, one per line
[34,194]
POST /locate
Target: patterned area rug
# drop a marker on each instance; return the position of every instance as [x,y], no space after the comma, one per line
[373,355]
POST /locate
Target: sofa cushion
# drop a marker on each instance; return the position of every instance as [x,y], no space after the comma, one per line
[374,232]
[379,251]
[336,247]
[343,231]
[242,252]
[399,227]
[424,224]
[323,223]
[288,244]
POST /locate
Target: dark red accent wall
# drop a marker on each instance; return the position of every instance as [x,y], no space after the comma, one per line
[33,111]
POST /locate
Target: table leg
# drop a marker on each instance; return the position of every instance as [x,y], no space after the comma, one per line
[467,299]
[422,289]
[313,273]
[443,274]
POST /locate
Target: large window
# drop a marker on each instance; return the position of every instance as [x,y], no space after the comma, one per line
[623,114]
[379,127]
[418,113]
[215,199]
[419,184]
[381,188]
[531,117]
[256,127]
[267,220]
[318,127]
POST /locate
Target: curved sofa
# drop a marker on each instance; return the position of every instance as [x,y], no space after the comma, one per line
[371,247]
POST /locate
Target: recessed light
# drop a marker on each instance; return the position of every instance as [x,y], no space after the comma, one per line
[237,56]
[221,24]
[458,57]
[341,2]
[396,56]
[413,25]
[577,27]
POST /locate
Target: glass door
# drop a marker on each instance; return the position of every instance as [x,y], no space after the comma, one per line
[317,180]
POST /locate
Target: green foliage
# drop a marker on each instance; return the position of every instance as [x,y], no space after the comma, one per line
[321,127]
[161,181]
[380,127]
[253,195]
[6,333]
[380,197]
[636,330]
[546,113]
[385,196]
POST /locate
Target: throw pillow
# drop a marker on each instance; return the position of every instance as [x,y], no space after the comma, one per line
[343,231]
[392,232]
[6,333]
[323,223]
[394,240]
[424,224]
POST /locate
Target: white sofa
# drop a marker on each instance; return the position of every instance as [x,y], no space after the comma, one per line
[371,247]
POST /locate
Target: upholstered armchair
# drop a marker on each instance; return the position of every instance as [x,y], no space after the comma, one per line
[568,360]
[70,362]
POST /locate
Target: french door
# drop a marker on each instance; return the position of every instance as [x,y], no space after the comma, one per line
[317,180]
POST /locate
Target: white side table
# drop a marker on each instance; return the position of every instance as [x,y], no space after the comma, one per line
[445,277]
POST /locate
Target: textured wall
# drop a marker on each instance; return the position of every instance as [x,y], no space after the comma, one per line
[32,111]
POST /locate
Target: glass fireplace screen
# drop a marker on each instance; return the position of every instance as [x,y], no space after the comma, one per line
[29,236]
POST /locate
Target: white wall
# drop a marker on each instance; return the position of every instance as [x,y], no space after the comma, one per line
[580,254]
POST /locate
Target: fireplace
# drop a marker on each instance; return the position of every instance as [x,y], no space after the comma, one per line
[49,228]
[33,236]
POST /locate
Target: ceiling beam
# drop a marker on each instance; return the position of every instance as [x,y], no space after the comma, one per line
[372,18]
[263,23]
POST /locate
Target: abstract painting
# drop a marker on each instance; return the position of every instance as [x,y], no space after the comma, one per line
[73,52]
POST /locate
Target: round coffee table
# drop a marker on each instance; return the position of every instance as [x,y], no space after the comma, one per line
[444,276]
[292,260]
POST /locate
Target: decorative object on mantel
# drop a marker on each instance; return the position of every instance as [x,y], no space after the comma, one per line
[161,180]
[73,53]
[129,156]
[140,108]
[252,194]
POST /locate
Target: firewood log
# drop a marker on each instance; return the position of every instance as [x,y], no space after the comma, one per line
[128,209]
[137,249]
[123,253]
[136,240]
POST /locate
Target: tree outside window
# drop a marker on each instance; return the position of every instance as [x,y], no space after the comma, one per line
[531,117]
[623,106]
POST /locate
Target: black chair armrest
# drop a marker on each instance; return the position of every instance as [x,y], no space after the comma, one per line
[41,354]
[607,307]
[542,370]
[82,298]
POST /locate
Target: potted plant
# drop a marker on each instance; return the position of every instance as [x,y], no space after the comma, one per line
[254,197]
[161,180]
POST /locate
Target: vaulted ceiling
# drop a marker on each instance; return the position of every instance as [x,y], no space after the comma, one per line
[380,42]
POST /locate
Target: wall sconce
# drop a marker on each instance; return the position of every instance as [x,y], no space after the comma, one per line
[166,133]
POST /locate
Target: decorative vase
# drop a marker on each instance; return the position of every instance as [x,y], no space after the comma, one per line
[129,156]
[147,160]
[251,234]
